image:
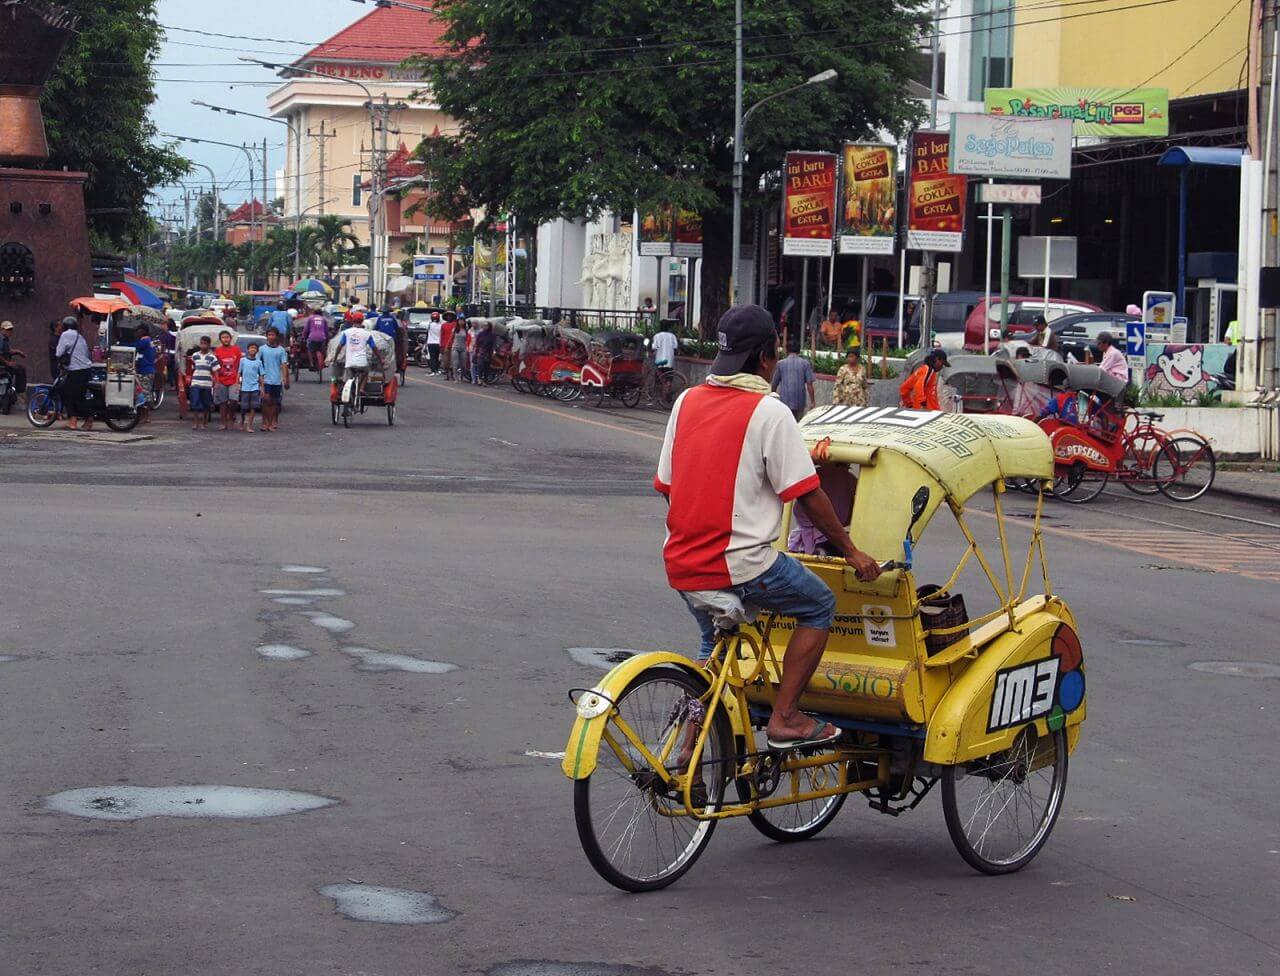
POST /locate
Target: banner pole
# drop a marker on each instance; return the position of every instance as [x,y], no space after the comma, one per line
[986,314]
[902,293]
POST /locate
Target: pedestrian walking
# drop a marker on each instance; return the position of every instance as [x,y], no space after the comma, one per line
[76,365]
[200,386]
[145,365]
[459,352]
[481,354]
[665,348]
[919,391]
[447,329]
[435,335]
[228,355]
[275,379]
[794,378]
[251,373]
[853,386]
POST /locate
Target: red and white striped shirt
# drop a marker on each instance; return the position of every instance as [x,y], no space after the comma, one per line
[730,461]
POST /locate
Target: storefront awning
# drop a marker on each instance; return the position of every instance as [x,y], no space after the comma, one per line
[1201,156]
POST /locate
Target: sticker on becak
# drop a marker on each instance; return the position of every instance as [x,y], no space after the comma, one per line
[1050,688]
[877,626]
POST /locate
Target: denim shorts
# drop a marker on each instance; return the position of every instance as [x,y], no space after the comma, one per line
[199,398]
[250,400]
[787,588]
[274,391]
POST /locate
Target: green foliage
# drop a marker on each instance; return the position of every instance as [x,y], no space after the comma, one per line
[556,123]
[95,110]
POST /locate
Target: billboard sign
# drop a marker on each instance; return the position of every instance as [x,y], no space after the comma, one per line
[1103,113]
[1009,193]
[935,197]
[809,204]
[688,235]
[868,198]
[994,145]
[655,234]
[428,267]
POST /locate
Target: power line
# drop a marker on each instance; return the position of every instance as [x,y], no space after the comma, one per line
[1217,67]
[1195,44]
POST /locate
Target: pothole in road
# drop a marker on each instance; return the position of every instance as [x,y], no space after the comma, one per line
[392,906]
[335,625]
[376,661]
[304,570]
[282,652]
[1238,669]
[139,802]
[601,657]
[316,592]
[541,967]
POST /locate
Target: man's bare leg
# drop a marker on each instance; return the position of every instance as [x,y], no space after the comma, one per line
[804,654]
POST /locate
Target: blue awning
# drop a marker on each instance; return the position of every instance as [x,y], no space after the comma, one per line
[1201,156]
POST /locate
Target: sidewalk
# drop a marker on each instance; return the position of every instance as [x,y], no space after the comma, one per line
[1255,485]
[15,426]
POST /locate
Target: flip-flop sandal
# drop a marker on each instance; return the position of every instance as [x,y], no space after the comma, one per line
[815,738]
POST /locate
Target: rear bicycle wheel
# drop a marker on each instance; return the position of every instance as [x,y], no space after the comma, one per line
[1079,484]
[630,396]
[629,822]
[670,387]
[1185,469]
[1139,455]
[42,409]
[1001,809]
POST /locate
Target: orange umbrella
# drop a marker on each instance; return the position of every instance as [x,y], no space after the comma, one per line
[101,306]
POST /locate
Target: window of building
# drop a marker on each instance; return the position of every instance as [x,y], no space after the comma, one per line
[991,57]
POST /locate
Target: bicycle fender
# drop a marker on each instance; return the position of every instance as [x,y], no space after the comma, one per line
[1032,675]
[596,705]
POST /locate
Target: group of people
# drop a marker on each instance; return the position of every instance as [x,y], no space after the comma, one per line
[794,379]
[225,377]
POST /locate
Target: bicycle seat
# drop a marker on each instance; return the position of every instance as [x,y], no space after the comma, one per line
[1150,414]
[727,611]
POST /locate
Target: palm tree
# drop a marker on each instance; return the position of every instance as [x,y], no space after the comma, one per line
[331,237]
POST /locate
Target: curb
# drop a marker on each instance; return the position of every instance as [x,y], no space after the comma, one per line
[1252,495]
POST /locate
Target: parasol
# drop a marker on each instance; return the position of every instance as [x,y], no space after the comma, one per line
[312,284]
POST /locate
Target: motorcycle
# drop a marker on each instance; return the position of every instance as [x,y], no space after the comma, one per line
[8,391]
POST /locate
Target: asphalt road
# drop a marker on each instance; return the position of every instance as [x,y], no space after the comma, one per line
[493,532]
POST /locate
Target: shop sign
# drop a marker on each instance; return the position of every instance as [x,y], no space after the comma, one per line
[809,204]
[868,198]
[1104,113]
[688,243]
[364,72]
[1027,194]
[994,145]
[935,196]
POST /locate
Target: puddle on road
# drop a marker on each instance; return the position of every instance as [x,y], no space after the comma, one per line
[601,657]
[6,658]
[138,802]
[282,652]
[305,570]
[376,661]
[392,906]
[1238,669]
[293,601]
[545,967]
[335,625]
[317,592]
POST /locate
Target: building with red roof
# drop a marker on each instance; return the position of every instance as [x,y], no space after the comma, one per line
[327,107]
[248,222]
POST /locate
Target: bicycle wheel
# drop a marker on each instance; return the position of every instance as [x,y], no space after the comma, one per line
[630,824]
[1140,453]
[630,396]
[42,409]
[1184,470]
[670,387]
[797,821]
[333,413]
[1001,809]
[1079,484]
[346,414]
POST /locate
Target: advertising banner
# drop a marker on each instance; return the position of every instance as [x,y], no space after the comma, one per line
[1105,113]
[809,204]
[869,199]
[995,145]
[656,233]
[688,234]
[935,197]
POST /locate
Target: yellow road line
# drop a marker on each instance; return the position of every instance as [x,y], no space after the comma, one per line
[551,410]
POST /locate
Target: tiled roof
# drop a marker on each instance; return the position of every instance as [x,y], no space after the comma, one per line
[247,213]
[387,35]
[400,166]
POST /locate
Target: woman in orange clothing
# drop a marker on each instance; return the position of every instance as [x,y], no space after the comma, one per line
[919,391]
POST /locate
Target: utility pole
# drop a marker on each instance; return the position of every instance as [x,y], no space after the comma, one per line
[323,137]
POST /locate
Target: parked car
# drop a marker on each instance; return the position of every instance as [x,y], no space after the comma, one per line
[983,325]
[1078,333]
[951,309]
[880,321]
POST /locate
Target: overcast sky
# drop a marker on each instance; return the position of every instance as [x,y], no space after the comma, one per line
[195,66]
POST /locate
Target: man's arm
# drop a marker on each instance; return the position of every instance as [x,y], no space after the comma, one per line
[817,506]
[813,400]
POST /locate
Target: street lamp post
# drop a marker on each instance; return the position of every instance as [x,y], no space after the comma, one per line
[297,155]
[741,119]
[375,181]
[228,145]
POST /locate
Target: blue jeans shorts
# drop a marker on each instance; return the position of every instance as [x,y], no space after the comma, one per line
[786,588]
[200,398]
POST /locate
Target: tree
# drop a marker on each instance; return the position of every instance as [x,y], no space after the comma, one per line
[332,239]
[95,109]
[641,114]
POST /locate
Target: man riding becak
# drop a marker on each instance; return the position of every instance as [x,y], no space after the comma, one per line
[733,456]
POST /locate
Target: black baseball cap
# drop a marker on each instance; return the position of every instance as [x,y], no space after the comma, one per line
[740,332]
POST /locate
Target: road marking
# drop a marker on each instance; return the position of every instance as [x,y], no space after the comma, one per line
[553,412]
